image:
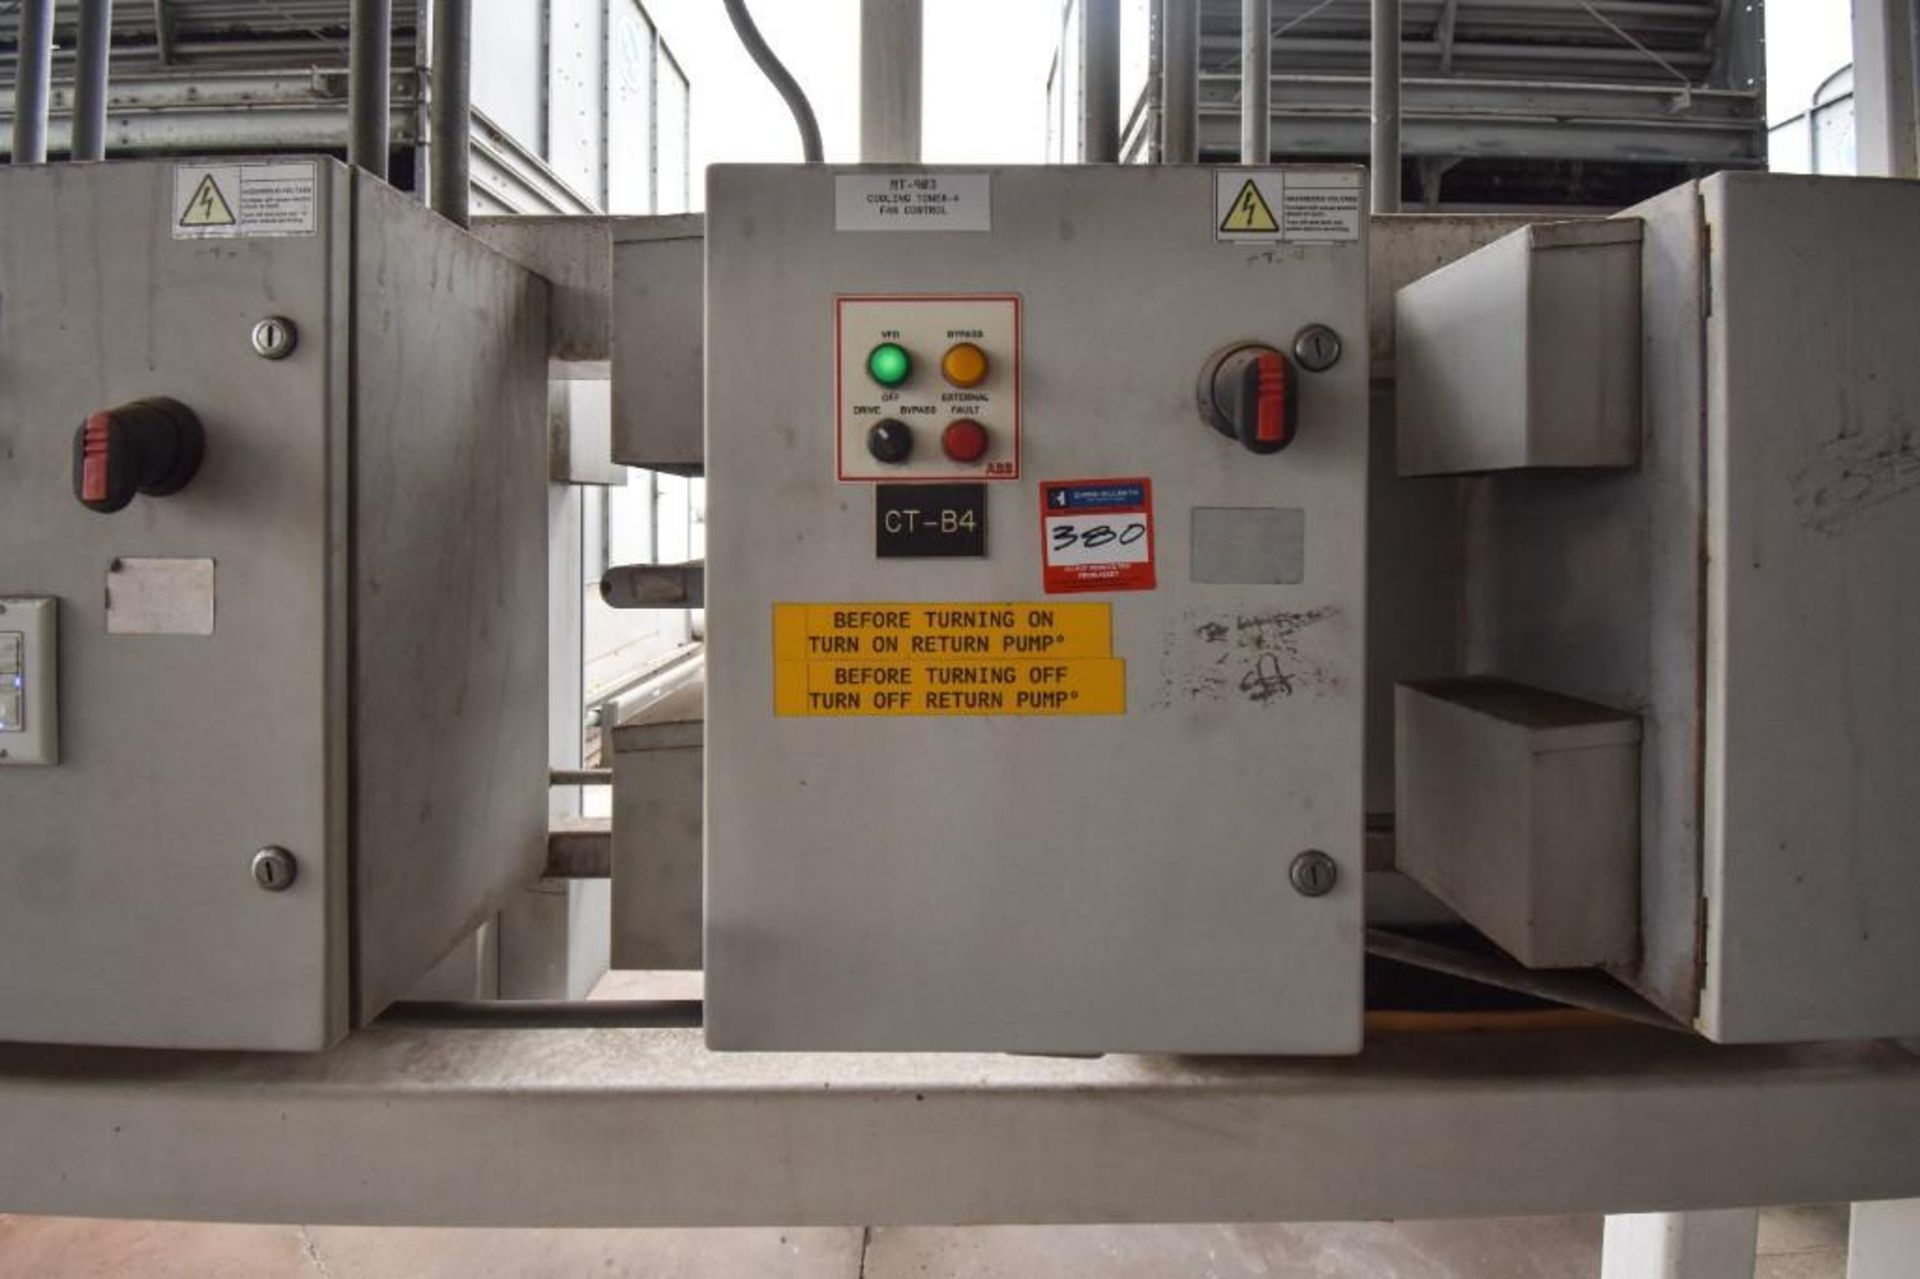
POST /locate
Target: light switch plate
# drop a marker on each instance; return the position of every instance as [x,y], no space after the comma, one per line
[33,736]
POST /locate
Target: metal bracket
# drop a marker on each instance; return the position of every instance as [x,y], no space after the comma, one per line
[655,586]
[623,1127]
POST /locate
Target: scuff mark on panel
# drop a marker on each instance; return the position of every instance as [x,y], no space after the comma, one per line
[1263,658]
[1851,475]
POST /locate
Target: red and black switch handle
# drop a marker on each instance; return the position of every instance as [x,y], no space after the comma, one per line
[152,447]
[1248,394]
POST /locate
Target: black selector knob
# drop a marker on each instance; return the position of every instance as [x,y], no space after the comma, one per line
[151,446]
[890,441]
[1247,394]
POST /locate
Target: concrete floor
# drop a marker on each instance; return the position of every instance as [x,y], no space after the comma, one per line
[1799,1243]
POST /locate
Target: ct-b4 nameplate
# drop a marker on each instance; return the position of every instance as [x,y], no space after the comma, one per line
[930,521]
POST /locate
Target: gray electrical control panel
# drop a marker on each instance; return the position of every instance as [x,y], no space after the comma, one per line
[1036,545]
[273,452]
[1743,593]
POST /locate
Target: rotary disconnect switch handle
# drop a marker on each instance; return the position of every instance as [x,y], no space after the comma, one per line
[150,446]
[1247,394]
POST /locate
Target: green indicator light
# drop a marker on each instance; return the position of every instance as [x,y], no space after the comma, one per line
[888,364]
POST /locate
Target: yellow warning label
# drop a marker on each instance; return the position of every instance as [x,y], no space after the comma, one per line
[805,632]
[1076,686]
[207,206]
[1249,212]
[946,659]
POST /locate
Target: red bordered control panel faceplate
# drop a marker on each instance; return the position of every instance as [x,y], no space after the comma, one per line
[927,387]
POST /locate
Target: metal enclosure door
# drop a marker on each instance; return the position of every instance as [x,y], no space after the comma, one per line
[449,590]
[128,914]
[1812,881]
[1077,883]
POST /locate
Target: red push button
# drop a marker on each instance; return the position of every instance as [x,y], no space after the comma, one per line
[964,440]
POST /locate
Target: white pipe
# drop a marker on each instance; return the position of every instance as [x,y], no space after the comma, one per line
[1256,81]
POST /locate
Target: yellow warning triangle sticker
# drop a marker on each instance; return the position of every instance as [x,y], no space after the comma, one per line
[208,207]
[1249,212]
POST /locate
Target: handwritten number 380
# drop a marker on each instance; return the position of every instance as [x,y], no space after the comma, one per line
[1095,536]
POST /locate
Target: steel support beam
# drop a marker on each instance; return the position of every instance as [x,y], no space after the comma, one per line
[370,68]
[1384,141]
[90,80]
[1256,81]
[1345,54]
[891,43]
[1470,101]
[605,1127]
[32,82]
[1180,82]
[1443,34]
[1100,81]
[163,32]
[1344,135]
[1330,115]
[451,110]
[1143,133]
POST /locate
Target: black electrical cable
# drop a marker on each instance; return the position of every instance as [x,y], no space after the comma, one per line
[770,66]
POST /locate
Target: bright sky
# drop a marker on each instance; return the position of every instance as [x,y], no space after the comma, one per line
[1807,41]
[985,78]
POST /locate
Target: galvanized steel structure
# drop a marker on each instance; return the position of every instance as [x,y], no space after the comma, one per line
[578,105]
[1595,103]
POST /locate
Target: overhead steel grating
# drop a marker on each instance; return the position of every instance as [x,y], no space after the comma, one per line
[1620,97]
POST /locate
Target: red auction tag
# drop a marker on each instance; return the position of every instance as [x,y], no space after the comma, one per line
[1097,535]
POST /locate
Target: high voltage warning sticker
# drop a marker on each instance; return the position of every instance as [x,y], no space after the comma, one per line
[230,201]
[1293,206]
[946,659]
[1249,212]
[207,206]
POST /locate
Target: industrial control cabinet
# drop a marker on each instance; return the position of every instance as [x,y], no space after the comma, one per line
[1731,596]
[1811,711]
[273,510]
[1036,543]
